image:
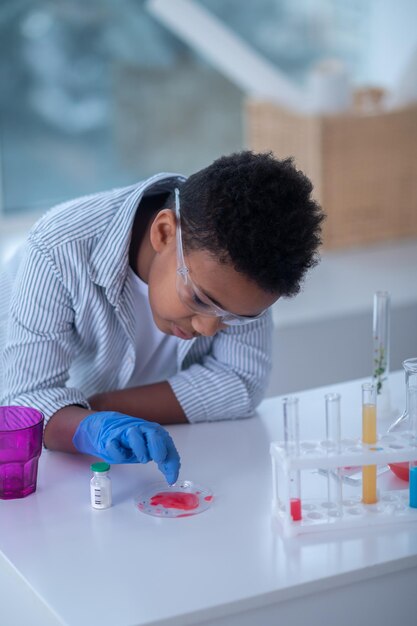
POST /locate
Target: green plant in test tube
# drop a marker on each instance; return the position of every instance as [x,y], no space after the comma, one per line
[381,338]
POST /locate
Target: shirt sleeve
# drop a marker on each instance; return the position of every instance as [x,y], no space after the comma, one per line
[231,379]
[40,337]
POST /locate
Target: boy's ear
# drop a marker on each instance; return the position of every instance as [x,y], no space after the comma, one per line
[162,233]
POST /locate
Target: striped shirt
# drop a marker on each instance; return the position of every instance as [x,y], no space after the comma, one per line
[67,321]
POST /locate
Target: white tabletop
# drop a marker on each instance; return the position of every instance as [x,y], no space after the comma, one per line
[122,567]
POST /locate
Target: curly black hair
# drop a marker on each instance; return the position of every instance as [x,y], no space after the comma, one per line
[255,212]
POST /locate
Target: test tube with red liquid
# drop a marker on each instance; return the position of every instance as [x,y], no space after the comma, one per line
[292,447]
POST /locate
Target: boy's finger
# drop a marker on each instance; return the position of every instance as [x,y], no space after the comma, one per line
[137,443]
[171,466]
[115,452]
[156,441]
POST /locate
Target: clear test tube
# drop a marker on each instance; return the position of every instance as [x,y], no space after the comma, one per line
[412,408]
[369,435]
[292,446]
[333,436]
[381,353]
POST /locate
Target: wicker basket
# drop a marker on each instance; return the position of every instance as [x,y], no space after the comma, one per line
[363,167]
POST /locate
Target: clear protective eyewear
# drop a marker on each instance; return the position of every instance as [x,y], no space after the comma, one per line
[191,295]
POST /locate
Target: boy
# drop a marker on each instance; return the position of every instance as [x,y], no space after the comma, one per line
[151,304]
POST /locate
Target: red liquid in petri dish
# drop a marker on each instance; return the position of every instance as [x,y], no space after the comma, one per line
[175,500]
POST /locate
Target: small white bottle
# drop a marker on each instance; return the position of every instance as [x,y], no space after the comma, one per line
[100,486]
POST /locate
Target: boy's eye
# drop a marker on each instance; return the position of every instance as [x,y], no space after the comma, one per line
[199,302]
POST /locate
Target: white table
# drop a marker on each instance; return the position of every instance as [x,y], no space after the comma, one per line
[65,563]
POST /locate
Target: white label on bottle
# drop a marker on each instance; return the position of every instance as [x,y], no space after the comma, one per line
[100,498]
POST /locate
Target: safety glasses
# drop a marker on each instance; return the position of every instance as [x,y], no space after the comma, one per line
[191,295]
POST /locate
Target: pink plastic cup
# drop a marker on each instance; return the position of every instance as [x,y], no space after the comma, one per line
[21,431]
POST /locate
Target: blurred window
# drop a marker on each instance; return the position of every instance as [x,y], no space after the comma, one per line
[98,94]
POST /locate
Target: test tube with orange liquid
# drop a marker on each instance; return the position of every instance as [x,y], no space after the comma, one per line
[369,436]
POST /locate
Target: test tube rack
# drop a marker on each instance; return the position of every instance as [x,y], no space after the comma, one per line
[317,514]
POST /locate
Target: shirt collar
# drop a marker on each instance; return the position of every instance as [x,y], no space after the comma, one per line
[109,261]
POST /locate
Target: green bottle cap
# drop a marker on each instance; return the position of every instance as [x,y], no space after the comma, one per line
[100,467]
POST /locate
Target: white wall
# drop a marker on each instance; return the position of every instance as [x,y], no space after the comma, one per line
[324,335]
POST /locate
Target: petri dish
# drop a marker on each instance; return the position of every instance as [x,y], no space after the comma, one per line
[183,499]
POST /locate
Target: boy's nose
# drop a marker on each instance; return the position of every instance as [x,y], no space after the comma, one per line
[207,326]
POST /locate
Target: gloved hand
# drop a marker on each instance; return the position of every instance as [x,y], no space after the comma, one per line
[118,438]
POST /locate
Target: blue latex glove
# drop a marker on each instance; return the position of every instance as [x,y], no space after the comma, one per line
[118,438]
